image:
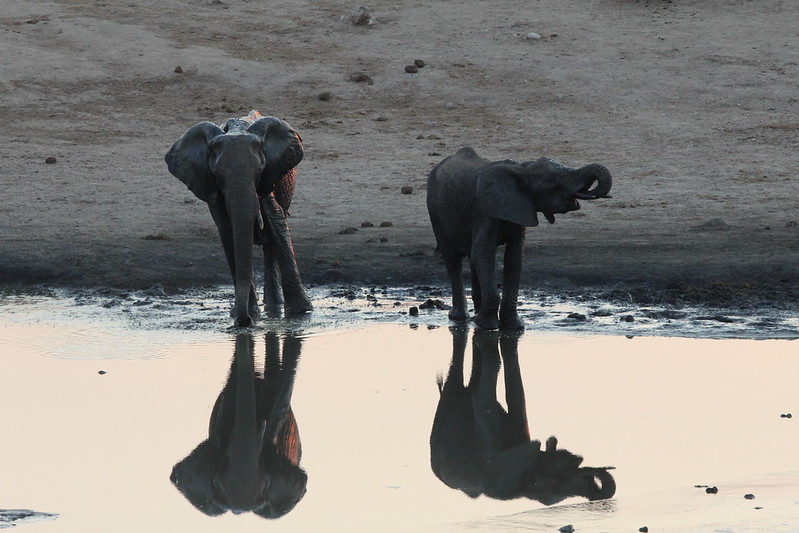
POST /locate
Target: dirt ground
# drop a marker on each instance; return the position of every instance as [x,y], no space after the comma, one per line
[692,105]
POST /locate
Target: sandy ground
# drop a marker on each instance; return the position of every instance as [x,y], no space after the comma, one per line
[692,105]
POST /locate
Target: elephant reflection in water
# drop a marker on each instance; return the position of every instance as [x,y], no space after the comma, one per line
[478,447]
[250,461]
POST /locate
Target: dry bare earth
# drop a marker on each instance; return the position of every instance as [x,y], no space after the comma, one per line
[692,105]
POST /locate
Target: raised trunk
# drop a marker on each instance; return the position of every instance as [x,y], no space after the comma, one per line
[596,176]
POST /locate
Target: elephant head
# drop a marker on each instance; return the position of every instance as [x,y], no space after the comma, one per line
[478,447]
[237,169]
[250,461]
[516,192]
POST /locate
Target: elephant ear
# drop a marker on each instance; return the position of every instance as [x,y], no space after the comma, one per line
[283,151]
[187,160]
[194,475]
[500,195]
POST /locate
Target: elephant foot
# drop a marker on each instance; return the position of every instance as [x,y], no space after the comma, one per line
[486,320]
[510,321]
[298,304]
[273,310]
[458,313]
[243,321]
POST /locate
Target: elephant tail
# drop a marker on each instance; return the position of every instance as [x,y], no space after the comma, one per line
[440,382]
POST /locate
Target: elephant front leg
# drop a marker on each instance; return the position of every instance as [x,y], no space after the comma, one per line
[511,274]
[273,292]
[482,263]
[282,249]
[454,265]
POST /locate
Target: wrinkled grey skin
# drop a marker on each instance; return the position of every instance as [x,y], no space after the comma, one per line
[476,205]
[246,173]
[479,448]
[250,460]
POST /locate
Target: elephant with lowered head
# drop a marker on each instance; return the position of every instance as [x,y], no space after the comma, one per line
[245,171]
[476,205]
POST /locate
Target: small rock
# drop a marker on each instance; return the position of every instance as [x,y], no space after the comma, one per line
[643,529]
[50,160]
[178,70]
[381,118]
[367,225]
[712,490]
[533,36]
[566,529]
[434,304]
[578,317]
[383,239]
[411,69]
[628,318]
[419,63]
[348,231]
[386,224]
[413,311]
[362,16]
[361,77]
[325,96]
[102,372]
[786,415]
[406,189]
[749,496]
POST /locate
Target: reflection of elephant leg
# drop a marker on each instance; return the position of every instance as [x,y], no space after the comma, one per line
[297,302]
[485,372]
[483,264]
[454,264]
[511,273]
[514,388]
[219,214]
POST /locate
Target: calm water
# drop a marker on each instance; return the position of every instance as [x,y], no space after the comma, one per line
[668,413]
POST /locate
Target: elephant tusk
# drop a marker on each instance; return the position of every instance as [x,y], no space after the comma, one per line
[584,196]
[260,219]
[550,217]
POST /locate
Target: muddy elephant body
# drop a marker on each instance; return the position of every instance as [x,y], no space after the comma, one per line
[476,205]
[245,171]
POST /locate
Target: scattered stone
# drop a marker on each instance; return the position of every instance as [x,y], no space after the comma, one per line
[749,496]
[419,63]
[434,304]
[178,70]
[578,317]
[602,312]
[51,160]
[643,529]
[361,77]
[383,239]
[348,231]
[367,225]
[666,314]
[532,36]
[218,3]
[325,96]
[102,372]
[381,118]
[566,529]
[714,224]
[628,318]
[406,189]
[786,415]
[386,224]
[362,16]
[413,311]
[411,69]
[758,508]
[712,490]
[156,237]
[717,318]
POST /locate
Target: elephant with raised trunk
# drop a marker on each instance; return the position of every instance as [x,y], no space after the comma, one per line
[476,205]
[481,448]
[245,171]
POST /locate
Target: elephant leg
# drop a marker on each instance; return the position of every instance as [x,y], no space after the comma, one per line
[273,293]
[477,295]
[296,301]
[511,274]
[482,261]
[454,264]
[219,214]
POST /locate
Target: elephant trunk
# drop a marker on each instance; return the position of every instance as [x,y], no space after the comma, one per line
[594,181]
[243,212]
